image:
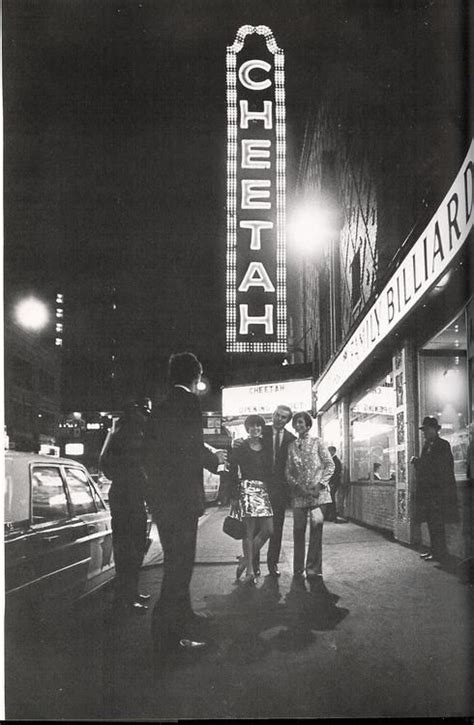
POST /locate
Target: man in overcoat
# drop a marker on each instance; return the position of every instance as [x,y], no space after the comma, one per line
[436,501]
[121,460]
[174,456]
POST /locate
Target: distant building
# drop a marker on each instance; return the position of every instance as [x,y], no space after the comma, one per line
[103,362]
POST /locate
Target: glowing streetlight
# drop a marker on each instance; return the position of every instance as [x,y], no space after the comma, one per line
[311,227]
[202,386]
[32,314]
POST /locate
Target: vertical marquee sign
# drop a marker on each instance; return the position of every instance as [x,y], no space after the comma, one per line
[256,159]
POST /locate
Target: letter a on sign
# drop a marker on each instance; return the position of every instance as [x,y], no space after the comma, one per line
[256,316]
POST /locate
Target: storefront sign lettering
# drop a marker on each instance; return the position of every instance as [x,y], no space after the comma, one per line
[256,148]
[242,400]
[422,268]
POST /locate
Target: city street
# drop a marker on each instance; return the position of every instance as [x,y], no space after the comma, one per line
[392,641]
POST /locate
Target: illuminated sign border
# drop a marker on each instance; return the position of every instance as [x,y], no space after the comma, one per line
[232,345]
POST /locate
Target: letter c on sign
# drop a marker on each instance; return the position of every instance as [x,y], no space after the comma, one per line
[244,75]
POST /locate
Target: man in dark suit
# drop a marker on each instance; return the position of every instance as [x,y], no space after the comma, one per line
[436,488]
[278,439]
[334,484]
[174,456]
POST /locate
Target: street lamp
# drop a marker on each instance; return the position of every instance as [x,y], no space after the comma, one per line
[311,228]
[32,314]
[202,387]
[310,231]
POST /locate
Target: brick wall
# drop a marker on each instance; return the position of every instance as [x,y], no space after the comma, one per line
[371,504]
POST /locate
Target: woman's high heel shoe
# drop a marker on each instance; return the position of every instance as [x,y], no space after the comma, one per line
[240,568]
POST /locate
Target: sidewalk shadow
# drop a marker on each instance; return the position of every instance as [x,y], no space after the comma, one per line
[251,621]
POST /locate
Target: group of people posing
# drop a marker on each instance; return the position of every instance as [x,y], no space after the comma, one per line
[270,470]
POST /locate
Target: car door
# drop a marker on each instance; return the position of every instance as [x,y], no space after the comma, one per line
[88,507]
[57,559]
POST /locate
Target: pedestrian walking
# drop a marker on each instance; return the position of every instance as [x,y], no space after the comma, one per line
[250,471]
[436,501]
[174,455]
[308,470]
[121,461]
[334,484]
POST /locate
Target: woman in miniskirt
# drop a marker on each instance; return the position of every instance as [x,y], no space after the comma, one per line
[250,470]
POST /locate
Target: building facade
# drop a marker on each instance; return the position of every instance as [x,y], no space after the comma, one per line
[384,303]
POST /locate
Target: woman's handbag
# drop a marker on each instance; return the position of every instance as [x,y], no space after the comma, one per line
[233,525]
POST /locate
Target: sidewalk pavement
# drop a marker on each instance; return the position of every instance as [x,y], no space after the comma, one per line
[394,641]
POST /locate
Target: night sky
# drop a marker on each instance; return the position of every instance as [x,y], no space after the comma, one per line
[115,139]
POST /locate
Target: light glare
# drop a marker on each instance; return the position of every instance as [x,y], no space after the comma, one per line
[32,314]
[310,228]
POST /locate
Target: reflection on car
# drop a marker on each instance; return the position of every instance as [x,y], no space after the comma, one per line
[58,533]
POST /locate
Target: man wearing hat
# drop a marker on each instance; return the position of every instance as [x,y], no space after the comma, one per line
[436,487]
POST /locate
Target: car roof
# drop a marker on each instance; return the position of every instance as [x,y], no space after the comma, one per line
[29,457]
[17,481]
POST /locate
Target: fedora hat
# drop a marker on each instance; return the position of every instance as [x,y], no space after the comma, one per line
[430,422]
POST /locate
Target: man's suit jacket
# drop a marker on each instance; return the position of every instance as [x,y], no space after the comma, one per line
[174,455]
[335,480]
[278,487]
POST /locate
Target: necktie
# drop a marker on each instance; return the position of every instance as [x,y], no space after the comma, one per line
[277,445]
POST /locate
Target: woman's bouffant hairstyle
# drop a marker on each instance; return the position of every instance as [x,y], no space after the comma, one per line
[254,420]
[305,416]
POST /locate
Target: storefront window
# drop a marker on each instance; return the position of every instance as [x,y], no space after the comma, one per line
[372,419]
[331,428]
[444,388]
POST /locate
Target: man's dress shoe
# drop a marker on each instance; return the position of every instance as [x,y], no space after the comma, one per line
[127,606]
[138,607]
[143,598]
[191,645]
[425,555]
[273,571]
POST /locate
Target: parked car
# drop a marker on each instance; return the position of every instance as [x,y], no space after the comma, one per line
[58,532]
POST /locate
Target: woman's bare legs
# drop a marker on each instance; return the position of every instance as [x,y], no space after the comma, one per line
[252,543]
[248,546]
[264,533]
